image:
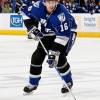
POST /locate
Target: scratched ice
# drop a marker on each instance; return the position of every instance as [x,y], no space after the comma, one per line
[15,57]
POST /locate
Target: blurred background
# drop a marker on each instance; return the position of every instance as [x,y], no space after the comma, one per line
[74,6]
[86,13]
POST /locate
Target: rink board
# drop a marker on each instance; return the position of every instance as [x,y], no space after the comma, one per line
[87,25]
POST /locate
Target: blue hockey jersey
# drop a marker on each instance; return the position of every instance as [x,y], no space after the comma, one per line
[60,20]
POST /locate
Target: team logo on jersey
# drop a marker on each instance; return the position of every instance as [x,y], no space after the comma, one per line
[16,21]
[61,17]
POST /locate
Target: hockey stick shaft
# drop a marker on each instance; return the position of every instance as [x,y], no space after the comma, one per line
[43,46]
[66,84]
[57,70]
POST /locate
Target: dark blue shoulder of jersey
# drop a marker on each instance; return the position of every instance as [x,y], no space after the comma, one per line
[34,10]
[62,21]
[69,17]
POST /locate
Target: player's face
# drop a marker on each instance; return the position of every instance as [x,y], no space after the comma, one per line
[50,5]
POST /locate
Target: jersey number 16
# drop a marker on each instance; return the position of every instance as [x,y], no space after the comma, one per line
[64,27]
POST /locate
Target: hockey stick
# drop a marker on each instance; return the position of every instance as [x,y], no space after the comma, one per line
[57,70]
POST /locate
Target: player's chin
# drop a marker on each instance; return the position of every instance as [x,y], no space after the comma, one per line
[50,10]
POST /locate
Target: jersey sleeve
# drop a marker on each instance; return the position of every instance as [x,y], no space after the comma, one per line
[33,10]
[73,24]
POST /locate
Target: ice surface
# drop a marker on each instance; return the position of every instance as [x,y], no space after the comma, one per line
[15,57]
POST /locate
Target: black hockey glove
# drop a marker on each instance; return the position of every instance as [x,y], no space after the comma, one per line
[37,32]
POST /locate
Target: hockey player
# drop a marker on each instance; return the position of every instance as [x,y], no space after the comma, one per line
[57,35]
